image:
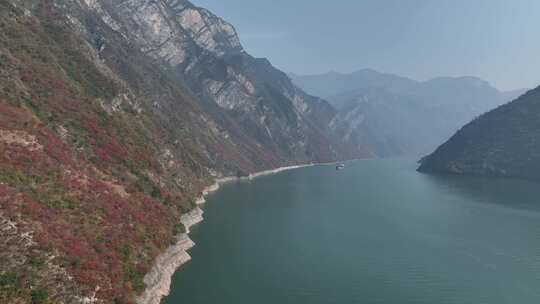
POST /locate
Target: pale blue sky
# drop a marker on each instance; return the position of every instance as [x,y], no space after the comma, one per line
[498,40]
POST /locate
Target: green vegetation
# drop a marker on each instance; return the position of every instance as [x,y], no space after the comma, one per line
[62,203]
[125,250]
[8,285]
[179,228]
[135,279]
[502,143]
[36,262]
[39,296]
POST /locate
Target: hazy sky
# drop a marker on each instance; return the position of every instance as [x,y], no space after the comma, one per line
[498,40]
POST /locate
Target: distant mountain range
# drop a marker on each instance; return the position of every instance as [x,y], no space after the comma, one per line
[397,116]
[331,84]
[504,142]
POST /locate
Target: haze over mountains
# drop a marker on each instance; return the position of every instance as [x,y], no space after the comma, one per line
[400,116]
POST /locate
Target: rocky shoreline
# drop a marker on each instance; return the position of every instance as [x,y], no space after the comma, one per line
[158,280]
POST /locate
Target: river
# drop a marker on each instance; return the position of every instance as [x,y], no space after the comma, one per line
[376,232]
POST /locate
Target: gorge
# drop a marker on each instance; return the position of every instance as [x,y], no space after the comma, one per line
[114,117]
[119,118]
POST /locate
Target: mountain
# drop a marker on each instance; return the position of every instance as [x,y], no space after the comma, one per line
[114,116]
[397,116]
[502,143]
[332,84]
[390,124]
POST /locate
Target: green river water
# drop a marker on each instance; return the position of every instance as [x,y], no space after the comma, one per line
[376,232]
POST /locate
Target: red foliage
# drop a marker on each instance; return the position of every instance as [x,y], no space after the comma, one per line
[56,84]
[4,192]
[111,150]
[106,146]
[121,219]
[71,206]
[13,117]
[55,147]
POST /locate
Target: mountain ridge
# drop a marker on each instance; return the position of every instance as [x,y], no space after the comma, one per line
[500,143]
[398,116]
[303,81]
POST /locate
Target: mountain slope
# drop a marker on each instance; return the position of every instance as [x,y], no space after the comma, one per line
[245,94]
[396,116]
[114,116]
[504,142]
[391,124]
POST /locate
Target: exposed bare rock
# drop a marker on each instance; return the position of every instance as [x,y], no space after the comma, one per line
[158,280]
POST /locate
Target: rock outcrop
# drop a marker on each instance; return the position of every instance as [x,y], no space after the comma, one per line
[246,97]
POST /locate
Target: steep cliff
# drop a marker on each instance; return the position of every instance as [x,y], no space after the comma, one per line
[503,143]
[247,96]
[114,115]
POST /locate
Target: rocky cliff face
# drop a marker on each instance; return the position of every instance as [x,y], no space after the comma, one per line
[114,116]
[503,143]
[245,95]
